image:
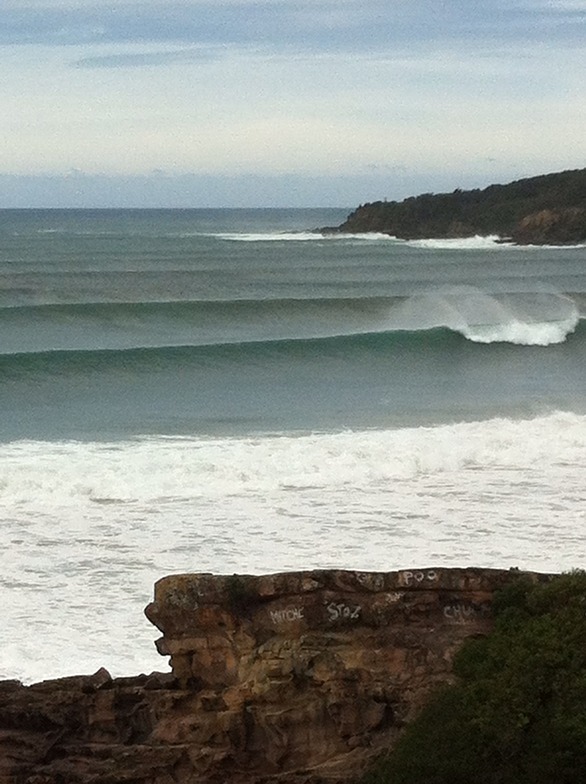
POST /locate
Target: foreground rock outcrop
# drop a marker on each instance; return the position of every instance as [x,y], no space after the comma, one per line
[301,677]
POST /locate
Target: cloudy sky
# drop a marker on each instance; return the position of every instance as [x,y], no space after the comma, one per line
[284,102]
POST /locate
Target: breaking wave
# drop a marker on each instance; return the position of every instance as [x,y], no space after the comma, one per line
[530,319]
[303,236]
[478,242]
[104,330]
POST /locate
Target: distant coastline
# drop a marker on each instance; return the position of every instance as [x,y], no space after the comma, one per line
[546,210]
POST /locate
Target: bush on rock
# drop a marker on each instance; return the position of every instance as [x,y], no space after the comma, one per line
[517,714]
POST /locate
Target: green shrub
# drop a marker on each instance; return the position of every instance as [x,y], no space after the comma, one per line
[517,714]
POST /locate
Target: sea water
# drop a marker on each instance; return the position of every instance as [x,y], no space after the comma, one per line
[230,391]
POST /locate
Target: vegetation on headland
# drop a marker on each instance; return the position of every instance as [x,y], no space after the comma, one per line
[517,713]
[549,209]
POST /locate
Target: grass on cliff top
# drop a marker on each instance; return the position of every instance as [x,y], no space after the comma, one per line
[517,714]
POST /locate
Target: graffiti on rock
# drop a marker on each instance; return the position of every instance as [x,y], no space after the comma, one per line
[460,613]
[418,578]
[287,615]
[342,611]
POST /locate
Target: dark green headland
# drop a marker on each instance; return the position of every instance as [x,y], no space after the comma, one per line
[543,210]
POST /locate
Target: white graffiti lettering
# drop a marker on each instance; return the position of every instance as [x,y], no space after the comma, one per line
[374,582]
[416,578]
[343,611]
[287,615]
[459,612]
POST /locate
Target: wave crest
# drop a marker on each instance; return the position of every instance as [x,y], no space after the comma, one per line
[530,319]
[521,333]
[478,242]
[302,236]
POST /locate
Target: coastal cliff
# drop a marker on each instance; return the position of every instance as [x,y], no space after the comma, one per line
[297,677]
[549,209]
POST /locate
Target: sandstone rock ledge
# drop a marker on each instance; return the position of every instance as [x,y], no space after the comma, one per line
[298,678]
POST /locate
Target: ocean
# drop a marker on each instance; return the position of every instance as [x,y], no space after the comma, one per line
[228,391]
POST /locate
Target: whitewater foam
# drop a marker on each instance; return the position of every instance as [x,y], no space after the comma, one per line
[550,247]
[522,333]
[300,236]
[482,242]
[89,527]
[478,242]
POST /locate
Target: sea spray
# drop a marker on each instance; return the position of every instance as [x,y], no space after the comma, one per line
[533,318]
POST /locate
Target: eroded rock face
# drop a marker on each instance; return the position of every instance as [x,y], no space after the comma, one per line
[300,677]
[552,227]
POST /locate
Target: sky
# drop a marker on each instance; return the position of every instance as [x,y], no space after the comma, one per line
[260,103]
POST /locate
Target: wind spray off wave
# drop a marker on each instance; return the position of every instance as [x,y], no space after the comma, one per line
[530,319]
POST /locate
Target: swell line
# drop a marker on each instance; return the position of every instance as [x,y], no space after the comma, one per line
[56,360]
[433,342]
[83,308]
